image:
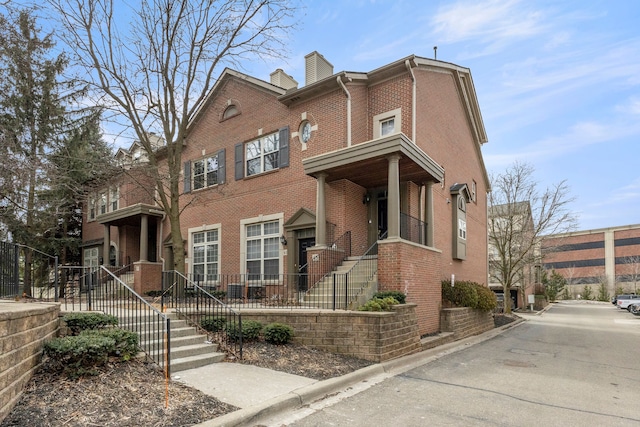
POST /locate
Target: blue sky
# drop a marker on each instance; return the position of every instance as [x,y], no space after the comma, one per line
[558,82]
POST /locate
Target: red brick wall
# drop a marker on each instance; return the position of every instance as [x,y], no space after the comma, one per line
[415,271]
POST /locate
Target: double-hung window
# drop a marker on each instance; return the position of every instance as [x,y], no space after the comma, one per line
[206,255]
[266,153]
[114,197]
[103,203]
[263,250]
[262,154]
[205,172]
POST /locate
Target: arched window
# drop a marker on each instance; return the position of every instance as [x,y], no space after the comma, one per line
[230,111]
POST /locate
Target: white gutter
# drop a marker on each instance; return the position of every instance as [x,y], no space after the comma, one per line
[344,88]
[413,101]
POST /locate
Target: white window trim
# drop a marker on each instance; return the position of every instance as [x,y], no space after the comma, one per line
[204,175]
[262,155]
[462,229]
[114,196]
[243,238]
[379,118]
[204,228]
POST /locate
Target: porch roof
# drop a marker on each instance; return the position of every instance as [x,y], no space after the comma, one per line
[129,215]
[366,163]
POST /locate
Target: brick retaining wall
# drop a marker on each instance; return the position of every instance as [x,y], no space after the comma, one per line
[375,336]
[24,327]
[465,322]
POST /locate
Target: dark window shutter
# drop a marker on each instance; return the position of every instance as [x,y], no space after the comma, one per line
[187,177]
[284,147]
[239,161]
[222,167]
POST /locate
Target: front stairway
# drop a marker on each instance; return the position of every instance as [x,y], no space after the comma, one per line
[356,281]
[188,348]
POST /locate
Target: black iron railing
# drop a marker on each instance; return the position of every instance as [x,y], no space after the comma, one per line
[100,289]
[413,229]
[328,259]
[202,306]
[359,282]
[9,270]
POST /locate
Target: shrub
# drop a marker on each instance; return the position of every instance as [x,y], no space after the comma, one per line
[486,298]
[397,295]
[277,333]
[469,294]
[126,342]
[379,304]
[79,322]
[250,330]
[213,324]
[219,294]
[79,355]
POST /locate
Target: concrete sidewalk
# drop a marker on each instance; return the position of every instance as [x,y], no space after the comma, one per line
[263,393]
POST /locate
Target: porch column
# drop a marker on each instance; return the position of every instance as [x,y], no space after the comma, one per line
[106,245]
[321,211]
[144,237]
[429,214]
[393,197]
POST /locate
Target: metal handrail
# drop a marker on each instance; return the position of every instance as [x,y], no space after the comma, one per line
[196,304]
[368,256]
[328,260]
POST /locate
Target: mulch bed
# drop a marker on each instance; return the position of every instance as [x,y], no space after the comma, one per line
[135,393]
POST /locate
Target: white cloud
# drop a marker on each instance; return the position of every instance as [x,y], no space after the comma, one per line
[488,21]
[576,138]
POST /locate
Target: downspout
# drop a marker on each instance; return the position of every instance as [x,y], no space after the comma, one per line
[344,88]
[413,101]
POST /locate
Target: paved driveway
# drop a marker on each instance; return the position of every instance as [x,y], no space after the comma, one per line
[576,364]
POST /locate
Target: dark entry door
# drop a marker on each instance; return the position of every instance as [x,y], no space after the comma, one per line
[382,218]
[303,280]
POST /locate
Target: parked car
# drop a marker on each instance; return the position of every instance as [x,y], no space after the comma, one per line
[627,300]
[615,299]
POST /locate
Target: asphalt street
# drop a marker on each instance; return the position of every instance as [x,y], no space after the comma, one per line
[576,364]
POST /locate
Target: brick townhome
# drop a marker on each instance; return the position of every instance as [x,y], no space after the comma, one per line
[275,174]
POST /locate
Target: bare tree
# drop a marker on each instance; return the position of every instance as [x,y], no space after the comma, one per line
[155,61]
[633,271]
[519,216]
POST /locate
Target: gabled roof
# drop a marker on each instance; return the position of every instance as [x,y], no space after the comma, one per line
[228,74]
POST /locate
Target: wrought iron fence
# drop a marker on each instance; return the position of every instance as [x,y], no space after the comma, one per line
[413,229]
[26,270]
[9,270]
[202,306]
[359,281]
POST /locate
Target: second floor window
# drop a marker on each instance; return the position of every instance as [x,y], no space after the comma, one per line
[205,172]
[262,154]
[268,152]
[114,197]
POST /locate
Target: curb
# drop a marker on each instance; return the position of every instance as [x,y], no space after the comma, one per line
[320,389]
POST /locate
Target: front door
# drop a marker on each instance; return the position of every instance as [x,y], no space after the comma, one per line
[303,244]
[382,218]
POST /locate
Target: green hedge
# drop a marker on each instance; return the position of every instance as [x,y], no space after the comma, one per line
[469,294]
[277,333]
[379,304]
[397,295]
[79,322]
[250,330]
[213,323]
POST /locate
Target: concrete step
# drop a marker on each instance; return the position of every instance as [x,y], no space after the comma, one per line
[178,341]
[193,350]
[191,362]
